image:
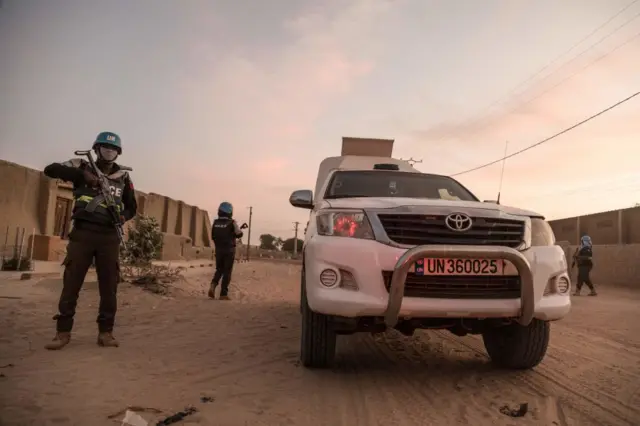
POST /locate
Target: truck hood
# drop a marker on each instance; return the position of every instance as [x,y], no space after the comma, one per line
[395,202]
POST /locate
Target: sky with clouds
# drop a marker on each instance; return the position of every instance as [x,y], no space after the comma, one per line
[241,100]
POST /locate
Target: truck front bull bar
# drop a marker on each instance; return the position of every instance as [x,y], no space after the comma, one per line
[396,291]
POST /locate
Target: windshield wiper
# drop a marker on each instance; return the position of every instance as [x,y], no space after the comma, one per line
[344,196]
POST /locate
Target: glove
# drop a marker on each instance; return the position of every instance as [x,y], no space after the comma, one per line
[89,178]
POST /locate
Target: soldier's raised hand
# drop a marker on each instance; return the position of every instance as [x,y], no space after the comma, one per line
[89,178]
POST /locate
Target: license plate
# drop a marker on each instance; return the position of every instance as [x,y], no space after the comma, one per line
[440,266]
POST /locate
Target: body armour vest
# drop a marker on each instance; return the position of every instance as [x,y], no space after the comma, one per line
[89,204]
[223,233]
[584,256]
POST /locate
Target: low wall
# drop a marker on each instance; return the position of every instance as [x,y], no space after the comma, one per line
[613,265]
[28,200]
[605,228]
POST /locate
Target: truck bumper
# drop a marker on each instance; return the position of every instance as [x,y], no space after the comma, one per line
[360,289]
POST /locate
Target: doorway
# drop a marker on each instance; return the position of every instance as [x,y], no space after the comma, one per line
[62,220]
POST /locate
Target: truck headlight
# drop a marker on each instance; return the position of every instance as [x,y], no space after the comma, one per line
[344,223]
[541,233]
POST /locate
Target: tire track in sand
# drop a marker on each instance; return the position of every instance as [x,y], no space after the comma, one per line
[610,412]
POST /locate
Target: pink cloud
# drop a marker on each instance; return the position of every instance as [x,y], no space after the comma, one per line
[272,104]
[597,151]
[270,165]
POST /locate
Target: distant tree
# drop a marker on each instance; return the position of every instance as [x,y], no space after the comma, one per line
[268,242]
[288,245]
[637,205]
[278,243]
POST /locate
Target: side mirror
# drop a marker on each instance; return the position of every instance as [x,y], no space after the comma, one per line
[491,201]
[302,198]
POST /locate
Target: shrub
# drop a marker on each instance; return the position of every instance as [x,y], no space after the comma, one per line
[12,264]
[144,243]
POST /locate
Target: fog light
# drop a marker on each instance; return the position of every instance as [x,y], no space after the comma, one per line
[563,285]
[347,281]
[328,278]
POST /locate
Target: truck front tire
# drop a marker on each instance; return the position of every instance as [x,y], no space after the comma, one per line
[318,340]
[518,347]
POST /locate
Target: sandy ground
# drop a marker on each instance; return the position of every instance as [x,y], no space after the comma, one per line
[244,355]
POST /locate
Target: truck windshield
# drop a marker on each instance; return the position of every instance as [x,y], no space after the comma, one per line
[378,183]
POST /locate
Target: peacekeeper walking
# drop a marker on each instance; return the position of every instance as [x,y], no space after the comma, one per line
[224,233]
[583,257]
[93,236]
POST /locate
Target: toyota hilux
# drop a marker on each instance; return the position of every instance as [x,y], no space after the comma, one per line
[388,247]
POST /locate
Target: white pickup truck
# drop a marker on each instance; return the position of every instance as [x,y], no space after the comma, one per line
[390,247]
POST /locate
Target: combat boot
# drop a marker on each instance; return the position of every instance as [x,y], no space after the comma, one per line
[107,340]
[61,340]
[212,290]
[224,297]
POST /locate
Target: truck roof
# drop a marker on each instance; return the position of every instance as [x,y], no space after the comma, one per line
[355,162]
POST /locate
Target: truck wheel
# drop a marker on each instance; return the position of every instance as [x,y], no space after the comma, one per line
[518,347]
[318,341]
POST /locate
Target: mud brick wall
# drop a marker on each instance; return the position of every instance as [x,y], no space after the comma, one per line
[28,200]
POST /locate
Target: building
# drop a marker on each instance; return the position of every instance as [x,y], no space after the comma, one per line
[42,207]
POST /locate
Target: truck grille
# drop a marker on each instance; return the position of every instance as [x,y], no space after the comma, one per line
[417,229]
[458,287]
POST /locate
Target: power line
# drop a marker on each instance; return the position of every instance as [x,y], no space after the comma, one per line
[589,64]
[502,99]
[597,43]
[598,189]
[549,138]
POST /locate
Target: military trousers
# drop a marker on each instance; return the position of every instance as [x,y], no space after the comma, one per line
[584,277]
[84,246]
[224,267]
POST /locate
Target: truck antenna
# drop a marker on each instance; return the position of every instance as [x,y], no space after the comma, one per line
[504,160]
[411,161]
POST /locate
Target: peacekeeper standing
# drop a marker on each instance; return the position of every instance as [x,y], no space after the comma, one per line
[93,236]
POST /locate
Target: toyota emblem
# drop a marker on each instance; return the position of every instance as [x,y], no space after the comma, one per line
[458,222]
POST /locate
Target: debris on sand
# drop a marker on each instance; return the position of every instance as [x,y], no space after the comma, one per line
[154,278]
[517,412]
[175,418]
[135,409]
[205,399]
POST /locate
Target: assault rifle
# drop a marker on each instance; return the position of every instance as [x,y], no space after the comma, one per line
[106,195]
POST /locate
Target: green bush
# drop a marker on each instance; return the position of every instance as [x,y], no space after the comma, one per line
[144,243]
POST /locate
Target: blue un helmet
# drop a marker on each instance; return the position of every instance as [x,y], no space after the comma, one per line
[107,146]
[225,209]
[110,140]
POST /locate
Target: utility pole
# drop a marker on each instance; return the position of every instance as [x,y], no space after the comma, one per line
[295,239]
[249,233]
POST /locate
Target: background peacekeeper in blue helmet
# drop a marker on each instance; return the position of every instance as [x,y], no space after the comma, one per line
[583,257]
[93,236]
[224,233]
